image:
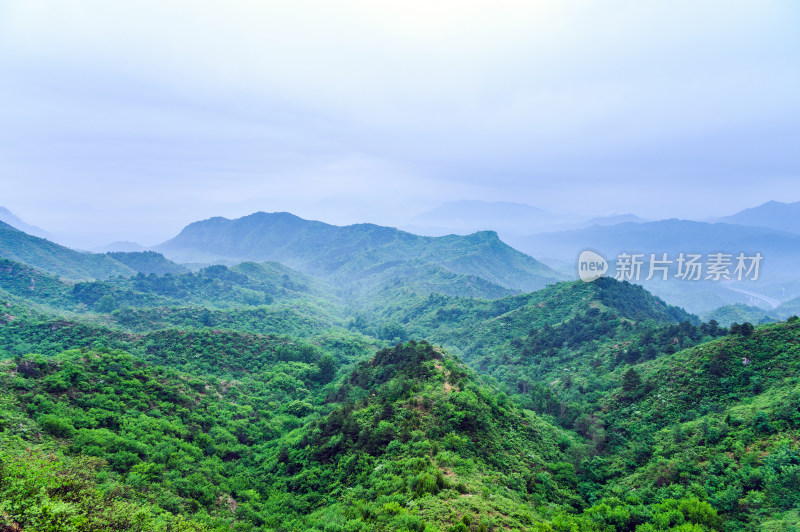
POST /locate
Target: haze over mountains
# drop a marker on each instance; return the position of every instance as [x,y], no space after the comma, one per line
[345,253]
[507,218]
[13,220]
[382,380]
[476,254]
[773,214]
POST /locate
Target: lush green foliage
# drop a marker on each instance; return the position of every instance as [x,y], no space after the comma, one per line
[253,397]
[356,254]
[146,262]
[739,313]
[49,257]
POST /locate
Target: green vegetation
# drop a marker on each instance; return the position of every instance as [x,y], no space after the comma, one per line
[255,397]
[739,313]
[146,262]
[52,258]
[354,254]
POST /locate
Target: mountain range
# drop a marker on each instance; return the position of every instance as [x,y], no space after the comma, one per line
[777,278]
[772,214]
[365,259]
[205,408]
[294,375]
[349,254]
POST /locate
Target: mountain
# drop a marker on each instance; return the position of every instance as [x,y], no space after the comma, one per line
[172,443]
[22,281]
[231,398]
[788,308]
[11,219]
[772,214]
[346,254]
[671,236]
[469,216]
[418,441]
[475,329]
[409,439]
[780,251]
[247,284]
[147,262]
[739,313]
[721,417]
[59,260]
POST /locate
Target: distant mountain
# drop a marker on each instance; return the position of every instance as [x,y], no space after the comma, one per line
[121,245]
[772,214]
[147,262]
[59,260]
[347,254]
[662,236]
[730,314]
[468,216]
[11,219]
[53,258]
[789,308]
[780,251]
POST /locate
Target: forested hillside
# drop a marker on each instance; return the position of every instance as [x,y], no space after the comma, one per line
[348,254]
[255,397]
[59,260]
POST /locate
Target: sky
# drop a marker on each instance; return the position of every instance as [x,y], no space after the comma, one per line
[127,120]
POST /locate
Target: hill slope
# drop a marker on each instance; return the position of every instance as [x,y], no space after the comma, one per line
[50,257]
[720,419]
[345,253]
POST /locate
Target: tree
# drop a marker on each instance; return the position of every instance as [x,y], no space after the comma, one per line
[327,369]
[107,303]
[631,380]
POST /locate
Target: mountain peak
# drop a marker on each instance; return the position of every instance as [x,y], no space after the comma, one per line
[347,253]
[772,214]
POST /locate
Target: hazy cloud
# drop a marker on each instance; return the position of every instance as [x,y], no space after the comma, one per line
[139,116]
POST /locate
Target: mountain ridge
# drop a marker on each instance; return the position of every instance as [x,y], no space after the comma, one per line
[14,221]
[340,252]
[772,214]
[54,258]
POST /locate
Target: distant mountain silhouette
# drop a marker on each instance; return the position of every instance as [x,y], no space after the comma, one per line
[13,220]
[772,214]
[780,251]
[346,254]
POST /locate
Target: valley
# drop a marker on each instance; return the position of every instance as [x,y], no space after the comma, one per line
[361,378]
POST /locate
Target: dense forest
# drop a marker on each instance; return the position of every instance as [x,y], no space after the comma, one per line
[255,397]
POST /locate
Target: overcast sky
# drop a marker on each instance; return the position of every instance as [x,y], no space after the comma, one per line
[125,120]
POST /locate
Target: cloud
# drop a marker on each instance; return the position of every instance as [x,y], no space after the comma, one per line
[132,106]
